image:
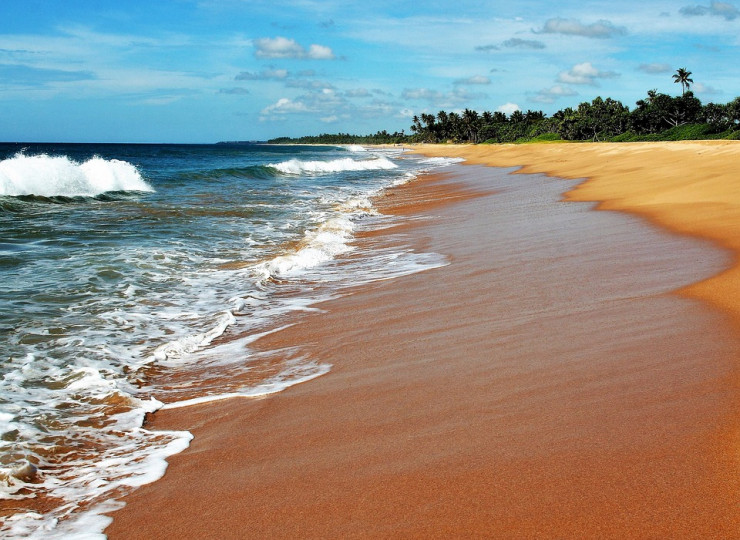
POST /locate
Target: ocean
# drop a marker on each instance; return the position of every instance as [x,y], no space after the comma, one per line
[135,277]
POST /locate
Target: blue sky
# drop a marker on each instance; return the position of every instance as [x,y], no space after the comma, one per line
[211,70]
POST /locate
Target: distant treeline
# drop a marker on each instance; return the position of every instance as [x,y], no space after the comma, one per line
[657,117]
[381,137]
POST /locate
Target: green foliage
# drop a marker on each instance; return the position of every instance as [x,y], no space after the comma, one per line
[548,137]
[686,132]
[381,137]
[658,117]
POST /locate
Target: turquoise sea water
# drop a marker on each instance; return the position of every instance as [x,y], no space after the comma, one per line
[136,276]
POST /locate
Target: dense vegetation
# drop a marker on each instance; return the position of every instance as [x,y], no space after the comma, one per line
[381,137]
[657,117]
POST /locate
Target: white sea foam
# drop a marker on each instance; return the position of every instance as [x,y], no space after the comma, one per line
[319,246]
[355,148]
[54,176]
[191,343]
[301,371]
[441,161]
[168,309]
[298,167]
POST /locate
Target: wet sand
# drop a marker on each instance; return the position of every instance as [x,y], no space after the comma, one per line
[547,383]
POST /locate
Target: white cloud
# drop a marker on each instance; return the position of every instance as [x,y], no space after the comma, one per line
[264,75]
[282,107]
[654,68]
[508,108]
[475,79]
[327,105]
[549,95]
[585,73]
[572,27]
[281,47]
[701,88]
[456,98]
[320,52]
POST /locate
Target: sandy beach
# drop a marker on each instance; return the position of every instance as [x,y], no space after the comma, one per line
[571,373]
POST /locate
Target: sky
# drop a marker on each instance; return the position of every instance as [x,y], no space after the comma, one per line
[202,71]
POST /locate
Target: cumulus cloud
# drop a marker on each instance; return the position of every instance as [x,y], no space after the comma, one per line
[264,75]
[654,68]
[475,79]
[700,88]
[585,73]
[508,108]
[549,95]
[517,43]
[457,97]
[718,9]
[284,106]
[281,47]
[327,105]
[571,27]
[488,48]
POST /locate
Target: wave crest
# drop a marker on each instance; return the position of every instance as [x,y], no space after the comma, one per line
[297,167]
[59,176]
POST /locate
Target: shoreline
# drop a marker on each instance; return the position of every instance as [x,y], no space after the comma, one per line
[562,391]
[669,191]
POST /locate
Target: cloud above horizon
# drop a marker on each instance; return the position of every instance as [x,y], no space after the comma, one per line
[281,47]
[264,75]
[654,68]
[586,74]
[518,43]
[455,98]
[199,62]
[601,29]
[488,48]
[508,108]
[550,95]
[475,79]
[718,9]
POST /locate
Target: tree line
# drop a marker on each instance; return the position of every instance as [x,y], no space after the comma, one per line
[656,117]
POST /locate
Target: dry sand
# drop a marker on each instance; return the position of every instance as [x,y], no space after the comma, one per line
[546,383]
[692,187]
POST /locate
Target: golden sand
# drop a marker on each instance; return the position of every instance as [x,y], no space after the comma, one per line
[692,187]
[543,385]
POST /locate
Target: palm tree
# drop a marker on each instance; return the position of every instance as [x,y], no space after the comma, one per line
[470,120]
[682,76]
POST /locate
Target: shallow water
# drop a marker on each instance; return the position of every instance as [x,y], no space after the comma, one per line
[137,275]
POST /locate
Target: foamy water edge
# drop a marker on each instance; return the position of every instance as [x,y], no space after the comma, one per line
[322,245]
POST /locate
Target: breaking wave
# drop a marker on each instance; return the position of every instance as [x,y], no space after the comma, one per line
[59,176]
[297,167]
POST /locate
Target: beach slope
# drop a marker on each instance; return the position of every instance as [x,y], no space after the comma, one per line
[546,383]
